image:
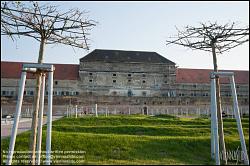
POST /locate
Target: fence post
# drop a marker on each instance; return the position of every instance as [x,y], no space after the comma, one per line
[214,124]
[16,118]
[40,123]
[76,110]
[49,117]
[238,120]
[96,113]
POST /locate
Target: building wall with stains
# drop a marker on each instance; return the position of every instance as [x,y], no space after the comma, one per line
[125,79]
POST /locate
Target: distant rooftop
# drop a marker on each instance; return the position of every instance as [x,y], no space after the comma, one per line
[125,56]
[70,72]
[62,71]
[200,76]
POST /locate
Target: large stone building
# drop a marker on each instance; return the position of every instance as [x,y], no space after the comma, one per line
[127,74]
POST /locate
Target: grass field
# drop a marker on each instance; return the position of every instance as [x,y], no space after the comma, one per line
[135,139]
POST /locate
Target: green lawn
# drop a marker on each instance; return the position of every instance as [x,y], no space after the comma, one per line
[136,139]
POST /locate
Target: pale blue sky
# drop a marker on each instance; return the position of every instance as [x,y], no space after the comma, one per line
[142,26]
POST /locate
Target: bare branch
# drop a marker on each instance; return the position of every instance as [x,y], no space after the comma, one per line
[224,37]
[45,22]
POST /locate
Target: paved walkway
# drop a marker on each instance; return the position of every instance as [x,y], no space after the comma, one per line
[24,125]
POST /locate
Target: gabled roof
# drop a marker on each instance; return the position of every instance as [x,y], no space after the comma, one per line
[125,56]
[203,76]
[62,71]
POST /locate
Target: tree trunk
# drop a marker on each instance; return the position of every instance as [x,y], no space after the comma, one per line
[219,112]
[33,136]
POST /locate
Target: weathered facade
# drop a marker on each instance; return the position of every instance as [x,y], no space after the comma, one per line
[125,73]
[131,77]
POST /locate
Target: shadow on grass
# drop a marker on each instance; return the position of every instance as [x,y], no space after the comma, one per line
[162,116]
[135,130]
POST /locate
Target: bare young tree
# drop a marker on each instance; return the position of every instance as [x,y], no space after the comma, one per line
[46,24]
[214,38]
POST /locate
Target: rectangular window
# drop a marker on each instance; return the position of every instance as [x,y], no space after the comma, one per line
[90,74]
[181,94]
[143,75]
[114,75]
[129,80]
[90,80]
[56,82]
[143,81]
[114,81]
[31,93]
[129,75]
[3,92]
[67,93]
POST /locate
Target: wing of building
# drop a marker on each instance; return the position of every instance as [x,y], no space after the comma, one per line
[125,73]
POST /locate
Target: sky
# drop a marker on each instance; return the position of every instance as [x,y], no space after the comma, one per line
[142,26]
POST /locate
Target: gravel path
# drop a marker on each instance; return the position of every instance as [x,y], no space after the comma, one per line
[24,125]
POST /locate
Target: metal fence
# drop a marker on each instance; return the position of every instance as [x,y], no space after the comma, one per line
[81,110]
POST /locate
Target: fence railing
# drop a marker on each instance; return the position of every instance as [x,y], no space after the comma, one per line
[64,110]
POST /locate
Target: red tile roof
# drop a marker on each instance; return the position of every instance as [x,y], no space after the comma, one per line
[62,71]
[70,72]
[203,76]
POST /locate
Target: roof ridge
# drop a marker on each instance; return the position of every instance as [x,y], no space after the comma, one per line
[125,56]
[124,50]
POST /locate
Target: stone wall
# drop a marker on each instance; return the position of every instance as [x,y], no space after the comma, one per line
[125,79]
